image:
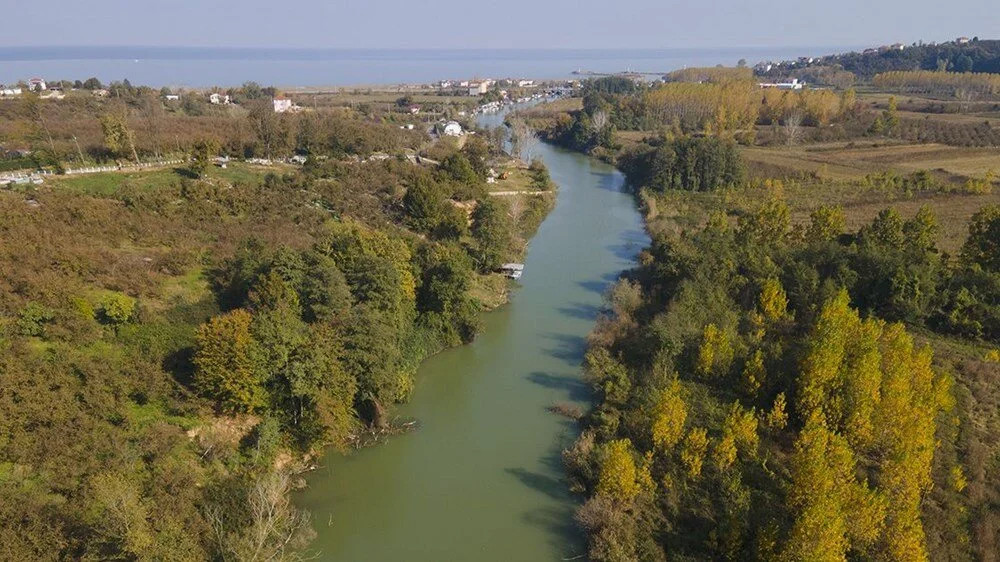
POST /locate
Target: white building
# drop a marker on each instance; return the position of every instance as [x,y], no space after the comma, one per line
[9,92]
[793,85]
[525,83]
[219,99]
[172,97]
[281,105]
[479,88]
[452,129]
[36,85]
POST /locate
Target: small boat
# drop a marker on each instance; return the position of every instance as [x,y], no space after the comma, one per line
[512,270]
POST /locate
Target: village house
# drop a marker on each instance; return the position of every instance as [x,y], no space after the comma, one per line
[282,105]
[525,83]
[219,99]
[479,88]
[9,92]
[102,93]
[172,97]
[962,40]
[36,85]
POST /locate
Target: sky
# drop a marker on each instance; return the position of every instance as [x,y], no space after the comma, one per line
[485,24]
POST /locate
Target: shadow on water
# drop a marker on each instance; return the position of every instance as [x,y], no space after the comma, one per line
[608,182]
[594,286]
[552,487]
[569,348]
[582,311]
[575,388]
[557,521]
[625,251]
[601,285]
[632,242]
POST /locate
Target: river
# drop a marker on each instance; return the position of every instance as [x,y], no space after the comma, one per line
[481,479]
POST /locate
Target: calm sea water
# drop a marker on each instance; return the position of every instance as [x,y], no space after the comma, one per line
[201,67]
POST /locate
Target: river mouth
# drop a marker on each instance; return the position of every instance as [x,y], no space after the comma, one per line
[482,478]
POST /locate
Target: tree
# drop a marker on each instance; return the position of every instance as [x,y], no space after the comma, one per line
[522,138]
[152,114]
[423,204]
[118,136]
[715,353]
[227,363]
[117,308]
[777,418]
[825,224]
[891,116]
[693,451]
[326,297]
[982,247]
[618,475]
[822,471]
[607,375]
[458,168]
[668,418]
[793,128]
[202,154]
[33,108]
[493,233]
[773,302]
[266,125]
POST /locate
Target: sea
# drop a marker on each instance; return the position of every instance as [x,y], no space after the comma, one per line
[201,67]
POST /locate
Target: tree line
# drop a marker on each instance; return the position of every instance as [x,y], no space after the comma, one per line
[760,394]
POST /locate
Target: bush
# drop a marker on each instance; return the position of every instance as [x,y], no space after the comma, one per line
[117,308]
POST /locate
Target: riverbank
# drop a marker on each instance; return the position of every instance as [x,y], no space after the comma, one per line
[481,477]
[707,370]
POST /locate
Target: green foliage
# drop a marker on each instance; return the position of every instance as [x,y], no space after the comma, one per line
[691,164]
[493,232]
[202,154]
[117,308]
[228,363]
[982,247]
[810,427]
[32,319]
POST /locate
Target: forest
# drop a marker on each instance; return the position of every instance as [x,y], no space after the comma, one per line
[179,344]
[766,391]
[771,383]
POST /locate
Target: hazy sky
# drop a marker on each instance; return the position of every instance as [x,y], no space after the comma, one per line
[489,24]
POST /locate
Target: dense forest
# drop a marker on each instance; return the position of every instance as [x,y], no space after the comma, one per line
[178,343]
[769,383]
[761,394]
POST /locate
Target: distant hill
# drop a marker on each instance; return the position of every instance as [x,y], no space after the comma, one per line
[957,56]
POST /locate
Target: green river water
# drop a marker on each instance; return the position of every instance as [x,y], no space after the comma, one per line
[481,479]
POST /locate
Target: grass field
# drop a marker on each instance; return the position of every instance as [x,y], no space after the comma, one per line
[107,183]
[854,160]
